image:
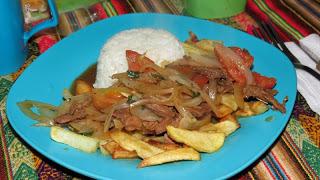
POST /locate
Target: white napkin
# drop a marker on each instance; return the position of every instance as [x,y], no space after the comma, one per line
[308,85]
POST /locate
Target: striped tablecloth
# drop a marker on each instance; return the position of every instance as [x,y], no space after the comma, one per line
[295,155]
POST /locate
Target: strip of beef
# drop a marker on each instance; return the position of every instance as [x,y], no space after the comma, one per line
[75,111]
[162,110]
[189,70]
[224,86]
[211,73]
[130,122]
[264,95]
[200,111]
[149,77]
[159,127]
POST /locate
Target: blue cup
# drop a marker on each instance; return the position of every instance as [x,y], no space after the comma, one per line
[13,39]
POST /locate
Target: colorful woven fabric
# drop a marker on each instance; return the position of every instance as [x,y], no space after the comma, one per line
[277,12]
[295,155]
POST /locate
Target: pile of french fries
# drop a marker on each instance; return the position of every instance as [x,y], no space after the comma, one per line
[187,144]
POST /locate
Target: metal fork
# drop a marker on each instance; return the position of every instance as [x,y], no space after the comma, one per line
[268,33]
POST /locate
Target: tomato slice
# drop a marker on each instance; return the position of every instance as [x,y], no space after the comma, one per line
[232,63]
[136,60]
[104,98]
[264,81]
[245,55]
[200,79]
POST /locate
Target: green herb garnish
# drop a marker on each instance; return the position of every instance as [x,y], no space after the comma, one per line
[131,99]
[133,74]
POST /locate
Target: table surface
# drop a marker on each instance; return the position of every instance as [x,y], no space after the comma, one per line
[296,153]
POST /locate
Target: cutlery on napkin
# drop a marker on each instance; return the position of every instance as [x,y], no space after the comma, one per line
[308,85]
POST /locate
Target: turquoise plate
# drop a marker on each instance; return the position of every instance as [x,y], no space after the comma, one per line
[45,79]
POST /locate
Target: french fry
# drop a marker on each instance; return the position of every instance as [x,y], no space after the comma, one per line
[83,143]
[171,156]
[229,100]
[116,151]
[201,141]
[109,147]
[246,111]
[164,146]
[223,110]
[130,143]
[227,127]
[258,107]
[103,150]
[252,108]
[82,87]
[120,153]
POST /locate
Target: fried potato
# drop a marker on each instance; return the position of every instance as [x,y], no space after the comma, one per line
[82,87]
[252,108]
[116,151]
[171,156]
[201,141]
[164,146]
[258,107]
[130,143]
[120,153]
[83,143]
[206,44]
[109,147]
[229,100]
[223,110]
[102,148]
[227,127]
[246,111]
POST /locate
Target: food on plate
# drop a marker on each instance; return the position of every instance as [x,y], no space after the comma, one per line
[170,156]
[81,142]
[158,99]
[131,143]
[200,141]
[227,126]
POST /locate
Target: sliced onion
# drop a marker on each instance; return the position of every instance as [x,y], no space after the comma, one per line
[212,90]
[192,102]
[208,61]
[144,113]
[109,112]
[43,110]
[238,95]
[107,122]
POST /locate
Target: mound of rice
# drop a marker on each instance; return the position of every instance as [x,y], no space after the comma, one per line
[159,45]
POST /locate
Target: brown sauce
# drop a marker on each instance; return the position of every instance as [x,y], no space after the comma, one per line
[89,76]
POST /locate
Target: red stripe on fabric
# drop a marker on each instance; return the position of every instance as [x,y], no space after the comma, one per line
[101,13]
[276,159]
[256,12]
[283,35]
[120,6]
[266,166]
[289,17]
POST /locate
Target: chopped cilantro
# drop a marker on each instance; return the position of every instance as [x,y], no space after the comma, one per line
[133,74]
[131,99]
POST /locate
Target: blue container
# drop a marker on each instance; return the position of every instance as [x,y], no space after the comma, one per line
[13,39]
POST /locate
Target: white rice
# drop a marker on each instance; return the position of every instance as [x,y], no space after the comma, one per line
[159,45]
